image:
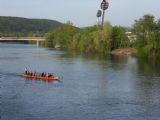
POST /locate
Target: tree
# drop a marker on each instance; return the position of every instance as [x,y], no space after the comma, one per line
[62,36]
[143,27]
[147,31]
[119,39]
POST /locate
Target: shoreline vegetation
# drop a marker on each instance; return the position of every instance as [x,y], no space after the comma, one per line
[142,40]
[93,40]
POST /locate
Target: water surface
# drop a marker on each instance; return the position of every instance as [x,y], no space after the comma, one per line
[91,87]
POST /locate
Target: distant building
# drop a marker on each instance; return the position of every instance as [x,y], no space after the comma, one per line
[131,37]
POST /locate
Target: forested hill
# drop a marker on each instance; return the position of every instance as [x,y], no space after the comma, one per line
[16,26]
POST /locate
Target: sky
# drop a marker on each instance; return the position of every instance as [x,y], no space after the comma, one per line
[81,13]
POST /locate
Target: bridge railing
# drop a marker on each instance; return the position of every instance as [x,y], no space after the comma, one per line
[37,39]
[23,38]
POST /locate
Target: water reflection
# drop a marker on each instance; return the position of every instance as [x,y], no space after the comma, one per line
[93,87]
[147,67]
[41,81]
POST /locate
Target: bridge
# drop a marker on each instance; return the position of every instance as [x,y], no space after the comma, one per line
[37,39]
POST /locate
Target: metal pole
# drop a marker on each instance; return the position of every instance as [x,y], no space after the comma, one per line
[103,17]
[104,6]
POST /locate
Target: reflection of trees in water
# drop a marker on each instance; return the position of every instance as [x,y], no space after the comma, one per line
[148,87]
[74,54]
[147,67]
[119,59]
[122,81]
[104,61]
[147,94]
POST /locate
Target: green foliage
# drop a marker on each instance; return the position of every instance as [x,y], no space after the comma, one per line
[14,26]
[147,31]
[85,41]
[158,25]
[94,39]
[50,40]
[102,39]
[119,39]
[143,27]
[62,36]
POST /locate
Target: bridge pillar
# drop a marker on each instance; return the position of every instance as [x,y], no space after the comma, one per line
[37,43]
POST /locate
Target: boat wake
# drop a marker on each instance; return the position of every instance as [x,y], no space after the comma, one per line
[7,74]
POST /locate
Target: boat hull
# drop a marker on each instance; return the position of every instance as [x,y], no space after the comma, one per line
[39,77]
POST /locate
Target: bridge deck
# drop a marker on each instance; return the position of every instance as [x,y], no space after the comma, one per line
[22,39]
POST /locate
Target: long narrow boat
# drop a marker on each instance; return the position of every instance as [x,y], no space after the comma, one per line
[40,77]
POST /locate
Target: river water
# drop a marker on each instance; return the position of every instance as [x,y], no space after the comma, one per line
[90,88]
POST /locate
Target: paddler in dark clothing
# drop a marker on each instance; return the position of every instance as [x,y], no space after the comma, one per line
[26,70]
[42,74]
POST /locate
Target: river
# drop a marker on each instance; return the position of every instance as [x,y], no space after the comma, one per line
[90,87]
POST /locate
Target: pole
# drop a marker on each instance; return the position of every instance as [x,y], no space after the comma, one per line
[103,17]
[104,6]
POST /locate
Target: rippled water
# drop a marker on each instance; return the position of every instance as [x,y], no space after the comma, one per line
[91,87]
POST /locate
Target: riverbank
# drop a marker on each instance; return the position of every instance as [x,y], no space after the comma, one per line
[104,39]
[124,51]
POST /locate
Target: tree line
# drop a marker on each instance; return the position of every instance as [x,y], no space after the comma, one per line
[16,26]
[93,39]
[147,31]
[104,39]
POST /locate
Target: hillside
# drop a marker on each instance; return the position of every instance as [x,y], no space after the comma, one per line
[16,26]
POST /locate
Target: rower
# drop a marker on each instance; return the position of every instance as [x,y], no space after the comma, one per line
[26,70]
[50,75]
[42,74]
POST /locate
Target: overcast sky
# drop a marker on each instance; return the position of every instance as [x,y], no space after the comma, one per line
[81,12]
